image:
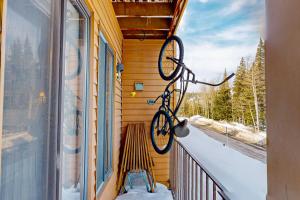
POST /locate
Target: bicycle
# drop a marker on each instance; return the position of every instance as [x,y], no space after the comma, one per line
[164,119]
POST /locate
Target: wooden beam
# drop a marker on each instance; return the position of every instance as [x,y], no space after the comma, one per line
[179,7]
[145,37]
[133,23]
[145,32]
[143,9]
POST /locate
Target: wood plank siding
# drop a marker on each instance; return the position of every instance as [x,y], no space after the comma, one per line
[140,61]
[103,20]
[153,19]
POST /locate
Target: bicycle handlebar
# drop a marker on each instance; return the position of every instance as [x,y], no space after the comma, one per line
[218,84]
[175,60]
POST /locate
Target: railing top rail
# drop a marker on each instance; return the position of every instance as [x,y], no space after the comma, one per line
[213,178]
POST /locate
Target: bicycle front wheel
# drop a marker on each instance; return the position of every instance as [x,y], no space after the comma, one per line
[172,48]
[162,132]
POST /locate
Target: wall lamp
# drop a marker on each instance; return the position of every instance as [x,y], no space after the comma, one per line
[120,69]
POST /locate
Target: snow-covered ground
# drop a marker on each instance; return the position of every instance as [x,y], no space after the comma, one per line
[240,131]
[140,193]
[72,193]
[245,178]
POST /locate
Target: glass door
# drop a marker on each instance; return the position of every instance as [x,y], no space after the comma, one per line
[44,110]
[74,100]
[28,101]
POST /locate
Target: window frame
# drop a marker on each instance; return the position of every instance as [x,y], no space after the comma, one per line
[56,57]
[82,7]
[110,165]
[102,146]
[55,75]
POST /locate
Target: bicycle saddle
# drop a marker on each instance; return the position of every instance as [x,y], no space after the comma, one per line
[181,129]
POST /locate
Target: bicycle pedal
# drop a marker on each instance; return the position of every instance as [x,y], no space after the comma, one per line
[183,123]
[150,101]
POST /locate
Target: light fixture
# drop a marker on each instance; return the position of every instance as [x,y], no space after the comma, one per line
[42,97]
[120,69]
[132,94]
[138,86]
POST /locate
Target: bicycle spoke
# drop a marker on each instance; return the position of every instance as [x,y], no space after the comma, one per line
[168,63]
[162,130]
[157,126]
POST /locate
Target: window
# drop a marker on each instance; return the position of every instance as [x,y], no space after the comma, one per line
[105,111]
[44,102]
[27,133]
[74,101]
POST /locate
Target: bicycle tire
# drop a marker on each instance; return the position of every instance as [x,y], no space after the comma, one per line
[162,53]
[152,132]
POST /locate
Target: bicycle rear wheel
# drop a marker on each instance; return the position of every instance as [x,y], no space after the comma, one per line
[162,132]
[173,48]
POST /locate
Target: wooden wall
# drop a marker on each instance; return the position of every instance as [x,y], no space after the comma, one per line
[103,19]
[283,99]
[140,60]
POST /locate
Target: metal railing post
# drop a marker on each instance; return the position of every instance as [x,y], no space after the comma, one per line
[187,177]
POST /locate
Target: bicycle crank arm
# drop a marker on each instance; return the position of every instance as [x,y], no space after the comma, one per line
[153,101]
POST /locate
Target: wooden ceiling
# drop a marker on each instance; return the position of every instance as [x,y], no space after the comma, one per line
[148,19]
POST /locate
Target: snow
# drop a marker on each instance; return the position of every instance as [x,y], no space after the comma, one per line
[72,193]
[242,131]
[244,178]
[140,192]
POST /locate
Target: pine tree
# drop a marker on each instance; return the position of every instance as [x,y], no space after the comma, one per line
[191,105]
[249,91]
[247,100]
[222,105]
[205,100]
[238,97]
[255,99]
[256,90]
[246,105]
[259,78]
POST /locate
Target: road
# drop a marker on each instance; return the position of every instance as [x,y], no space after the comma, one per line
[246,149]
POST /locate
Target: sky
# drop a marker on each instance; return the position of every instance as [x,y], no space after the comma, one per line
[217,33]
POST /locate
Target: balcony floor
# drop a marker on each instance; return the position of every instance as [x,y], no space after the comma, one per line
[140,192]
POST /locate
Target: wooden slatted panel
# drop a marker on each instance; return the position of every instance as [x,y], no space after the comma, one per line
[140,61]
[136,156]
[103,19]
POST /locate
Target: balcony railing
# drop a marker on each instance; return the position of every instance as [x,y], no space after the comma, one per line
[190,180]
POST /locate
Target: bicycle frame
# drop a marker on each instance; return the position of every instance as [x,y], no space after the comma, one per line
[165,121]
[166,96]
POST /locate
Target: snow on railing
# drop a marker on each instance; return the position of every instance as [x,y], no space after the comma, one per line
[191,180]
